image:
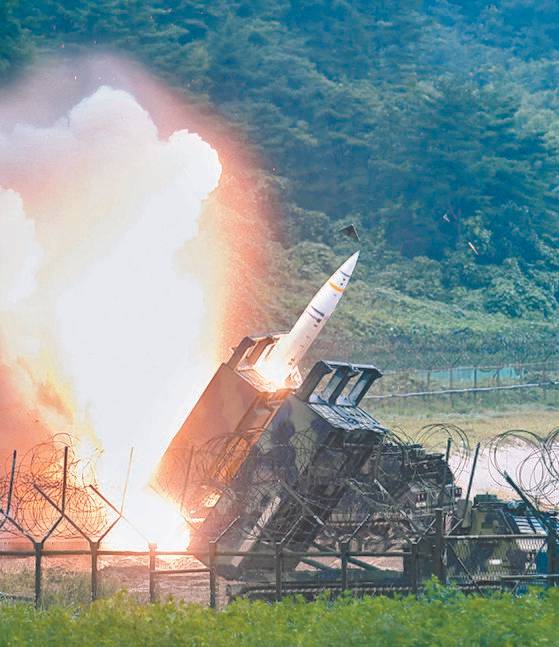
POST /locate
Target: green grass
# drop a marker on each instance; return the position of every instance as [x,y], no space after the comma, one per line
[480,424]
[61,587]
[442,617]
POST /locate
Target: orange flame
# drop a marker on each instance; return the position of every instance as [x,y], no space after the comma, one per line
[126,269]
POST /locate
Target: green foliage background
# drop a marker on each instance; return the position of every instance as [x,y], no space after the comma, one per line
[431,125]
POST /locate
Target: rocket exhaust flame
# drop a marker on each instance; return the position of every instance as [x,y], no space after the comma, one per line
[102,333]
[280,365]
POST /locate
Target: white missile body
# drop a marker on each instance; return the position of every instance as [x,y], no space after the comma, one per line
[284,358]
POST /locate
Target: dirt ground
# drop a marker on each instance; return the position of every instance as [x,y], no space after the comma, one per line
[482,425]
[66,580]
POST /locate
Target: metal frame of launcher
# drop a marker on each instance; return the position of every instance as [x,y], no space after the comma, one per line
[306,467]
[296,473]
[310,469]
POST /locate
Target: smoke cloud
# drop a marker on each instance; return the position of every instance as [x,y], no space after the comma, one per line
[19,250]
[101,330]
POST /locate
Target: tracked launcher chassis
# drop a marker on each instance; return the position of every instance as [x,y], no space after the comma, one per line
[306,467]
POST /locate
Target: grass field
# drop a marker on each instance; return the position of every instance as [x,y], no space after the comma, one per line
[442,617]
[479,425]
[61,585]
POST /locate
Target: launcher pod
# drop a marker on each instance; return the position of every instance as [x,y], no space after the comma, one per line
[295,473]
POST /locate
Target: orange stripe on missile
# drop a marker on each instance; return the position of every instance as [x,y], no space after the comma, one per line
[335,287]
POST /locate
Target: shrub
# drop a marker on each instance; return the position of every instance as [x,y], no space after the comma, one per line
[442,617]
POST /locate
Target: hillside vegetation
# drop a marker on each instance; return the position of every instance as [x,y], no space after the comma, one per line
[431,125]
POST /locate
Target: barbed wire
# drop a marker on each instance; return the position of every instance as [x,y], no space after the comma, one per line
[436,436]
[52,470]
[531,460]
[275,483]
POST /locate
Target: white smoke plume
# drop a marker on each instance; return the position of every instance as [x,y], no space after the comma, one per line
[19,251]
[101,331]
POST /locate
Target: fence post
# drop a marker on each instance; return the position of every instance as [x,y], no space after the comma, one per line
[212,554]
[344,554]
[451,385]
[427,387]
[414,567]
[552,550]
[38,548]
[152,583]
[475,383]
[94,548]
[278,568]
[440,545]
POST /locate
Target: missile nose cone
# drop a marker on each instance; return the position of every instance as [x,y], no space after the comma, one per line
[286,355]
[348,267]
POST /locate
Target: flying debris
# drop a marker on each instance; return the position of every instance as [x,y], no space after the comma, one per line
[473,248]
[350,231]
[283,359]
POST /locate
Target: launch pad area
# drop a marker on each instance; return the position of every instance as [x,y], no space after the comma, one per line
[288,485]
[294,491]
[309,491]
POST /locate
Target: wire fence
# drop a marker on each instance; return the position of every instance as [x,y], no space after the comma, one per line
[456,384]
[49,514]
[474,563]
[406,382]
[487,559]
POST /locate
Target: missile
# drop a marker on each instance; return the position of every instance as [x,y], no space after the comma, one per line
[285,356]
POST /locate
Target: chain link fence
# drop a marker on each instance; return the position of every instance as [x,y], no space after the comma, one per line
[486,560]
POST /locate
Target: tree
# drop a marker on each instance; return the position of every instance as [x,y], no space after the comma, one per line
[14,43]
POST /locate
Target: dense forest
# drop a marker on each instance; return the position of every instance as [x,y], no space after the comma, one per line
[433,126]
